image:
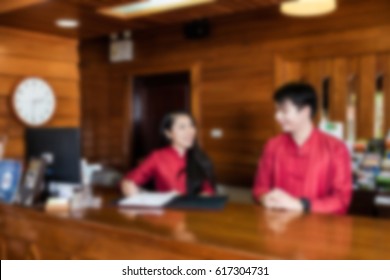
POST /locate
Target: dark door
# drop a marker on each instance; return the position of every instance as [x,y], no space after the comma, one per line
[153,97]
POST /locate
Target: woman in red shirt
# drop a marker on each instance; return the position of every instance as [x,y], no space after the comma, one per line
[180,166]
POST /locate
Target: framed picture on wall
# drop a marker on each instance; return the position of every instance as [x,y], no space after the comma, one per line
[10,175]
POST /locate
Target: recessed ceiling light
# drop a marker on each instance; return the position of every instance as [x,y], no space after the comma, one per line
[67,23]
[149,7]
[307,8]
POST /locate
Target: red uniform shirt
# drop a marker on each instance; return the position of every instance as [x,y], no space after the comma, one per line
[319,170]
[165,166]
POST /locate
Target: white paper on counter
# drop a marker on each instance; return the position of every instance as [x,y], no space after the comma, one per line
[148,199]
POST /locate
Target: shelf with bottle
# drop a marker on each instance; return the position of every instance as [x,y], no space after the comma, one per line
[371,164]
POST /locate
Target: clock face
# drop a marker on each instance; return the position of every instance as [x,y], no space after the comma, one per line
[34,101]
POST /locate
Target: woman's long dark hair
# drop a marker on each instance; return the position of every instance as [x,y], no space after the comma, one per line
[199,167]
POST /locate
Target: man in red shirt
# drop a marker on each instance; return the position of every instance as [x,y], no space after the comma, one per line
[303,169]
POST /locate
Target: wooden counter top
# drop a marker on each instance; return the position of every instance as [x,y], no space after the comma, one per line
[238,232]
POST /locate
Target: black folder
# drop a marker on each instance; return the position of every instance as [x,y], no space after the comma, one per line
[198,203]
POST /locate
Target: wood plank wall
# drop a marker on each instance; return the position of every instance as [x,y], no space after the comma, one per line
[55,59]
[347,74]
[238,74]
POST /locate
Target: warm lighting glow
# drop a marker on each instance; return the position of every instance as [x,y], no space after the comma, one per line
[148,7]
[306,8]
[67,23]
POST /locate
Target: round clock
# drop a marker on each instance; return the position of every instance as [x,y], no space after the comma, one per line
[34,102]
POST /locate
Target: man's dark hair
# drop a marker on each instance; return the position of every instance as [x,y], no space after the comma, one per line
[300,94]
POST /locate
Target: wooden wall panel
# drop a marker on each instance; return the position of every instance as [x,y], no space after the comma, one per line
[386,73]
[363,69]
[365,100]
[247,56]
[55,59]
[339,90]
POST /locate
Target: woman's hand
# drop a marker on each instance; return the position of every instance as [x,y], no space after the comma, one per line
[129,188]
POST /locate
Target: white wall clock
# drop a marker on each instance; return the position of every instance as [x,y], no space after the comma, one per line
[34,102]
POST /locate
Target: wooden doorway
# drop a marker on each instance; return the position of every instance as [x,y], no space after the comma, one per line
[153,97]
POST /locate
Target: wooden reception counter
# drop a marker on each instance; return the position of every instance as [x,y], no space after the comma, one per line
[238,232]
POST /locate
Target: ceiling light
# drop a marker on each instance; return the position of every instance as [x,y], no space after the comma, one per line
[67,23]
[149,7]
[307,8]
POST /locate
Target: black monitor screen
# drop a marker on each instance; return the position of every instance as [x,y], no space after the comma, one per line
[62,147]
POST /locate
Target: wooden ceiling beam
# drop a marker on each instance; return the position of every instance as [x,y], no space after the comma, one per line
[102,3]
[11,5]
[41,15]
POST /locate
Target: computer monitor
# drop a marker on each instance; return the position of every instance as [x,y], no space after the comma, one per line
[61,148]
